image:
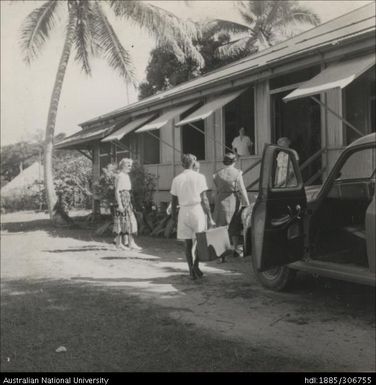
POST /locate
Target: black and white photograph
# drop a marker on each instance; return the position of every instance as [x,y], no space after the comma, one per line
[188,186]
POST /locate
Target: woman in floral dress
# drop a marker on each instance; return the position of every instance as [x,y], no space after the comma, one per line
[125,224]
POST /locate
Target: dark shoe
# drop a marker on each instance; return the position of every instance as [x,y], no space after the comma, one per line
[192,274]
[221,260]
[198,272]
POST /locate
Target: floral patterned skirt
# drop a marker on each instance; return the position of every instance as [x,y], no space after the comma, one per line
[125,223]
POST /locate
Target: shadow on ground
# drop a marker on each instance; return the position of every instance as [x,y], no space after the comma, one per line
[345,298]
[105,330]
[112,318]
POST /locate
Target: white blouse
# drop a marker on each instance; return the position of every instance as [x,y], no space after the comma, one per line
[123,182]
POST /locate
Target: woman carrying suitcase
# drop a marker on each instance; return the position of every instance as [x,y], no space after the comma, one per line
[230,196]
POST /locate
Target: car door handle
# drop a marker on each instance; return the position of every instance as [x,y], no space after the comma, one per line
[298,212]
[288,218]
[280,222]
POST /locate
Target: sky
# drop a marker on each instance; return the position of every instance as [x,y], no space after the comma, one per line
[26,90]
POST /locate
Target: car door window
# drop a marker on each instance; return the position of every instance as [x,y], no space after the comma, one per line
[359,165]
[285,174]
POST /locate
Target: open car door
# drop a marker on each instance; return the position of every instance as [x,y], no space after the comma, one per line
[277,221]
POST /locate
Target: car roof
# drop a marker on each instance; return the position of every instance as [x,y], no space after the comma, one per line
[370,138]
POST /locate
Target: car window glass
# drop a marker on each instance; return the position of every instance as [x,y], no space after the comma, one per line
[360,164]
[284,171]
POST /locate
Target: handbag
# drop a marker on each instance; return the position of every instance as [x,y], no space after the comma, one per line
[213,243]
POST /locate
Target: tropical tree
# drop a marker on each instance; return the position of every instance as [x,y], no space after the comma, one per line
[265,23]
[164,70]
[89,33]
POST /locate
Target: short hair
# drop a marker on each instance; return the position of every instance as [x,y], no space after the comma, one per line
[124,161]
[187,160]
[229,158]
[196,165]
[282,140]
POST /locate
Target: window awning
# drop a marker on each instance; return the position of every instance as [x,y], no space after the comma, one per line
[83,138]
[336,75]
[162,120]
[126,129]
[208,108]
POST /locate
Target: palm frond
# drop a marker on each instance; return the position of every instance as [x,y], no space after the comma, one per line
[247,17]
[291,12]
[305,16]
[36,28]
[109,45]
[219,25]
[164,25]
[83,38]
[234,47]
[257,8]
[272,14]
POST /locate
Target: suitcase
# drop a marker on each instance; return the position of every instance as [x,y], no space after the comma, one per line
[213,243]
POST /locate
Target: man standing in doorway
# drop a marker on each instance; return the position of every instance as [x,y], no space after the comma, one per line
[188,190]
[242,145]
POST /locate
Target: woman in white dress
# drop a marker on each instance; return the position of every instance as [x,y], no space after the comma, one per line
[125,224]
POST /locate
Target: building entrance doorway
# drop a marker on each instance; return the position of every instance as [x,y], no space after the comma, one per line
[300,121]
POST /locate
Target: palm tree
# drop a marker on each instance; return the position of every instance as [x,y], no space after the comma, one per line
[265,23]
[89,33]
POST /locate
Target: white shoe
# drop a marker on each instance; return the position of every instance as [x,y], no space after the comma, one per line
[135,247]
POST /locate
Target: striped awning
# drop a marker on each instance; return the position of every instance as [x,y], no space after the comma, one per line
[127,128]
[208,108]
[337,75]
[162,120]
[81,138]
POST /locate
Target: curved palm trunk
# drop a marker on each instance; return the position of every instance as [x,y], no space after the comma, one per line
[52,112]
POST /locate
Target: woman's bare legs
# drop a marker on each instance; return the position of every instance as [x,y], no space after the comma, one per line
[118,241]
[119,244]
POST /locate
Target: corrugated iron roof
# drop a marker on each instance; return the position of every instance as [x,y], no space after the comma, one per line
[333,32]
[84,136]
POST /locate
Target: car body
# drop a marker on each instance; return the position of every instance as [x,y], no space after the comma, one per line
[331,234]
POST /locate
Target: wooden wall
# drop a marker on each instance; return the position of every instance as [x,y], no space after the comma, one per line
[262,115]
[332,136]
[334,128]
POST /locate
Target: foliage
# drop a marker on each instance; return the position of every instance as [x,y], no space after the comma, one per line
[94,35]
[30,199]
[73,179]
[18,156]
[104,188]
[264,24]
[222,42]
[89,33]
[143,186]
[165,71]
[73,175]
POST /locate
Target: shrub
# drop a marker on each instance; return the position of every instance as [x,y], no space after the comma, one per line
[143,186]
[23,200]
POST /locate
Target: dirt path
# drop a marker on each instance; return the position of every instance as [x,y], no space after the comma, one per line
[124,311]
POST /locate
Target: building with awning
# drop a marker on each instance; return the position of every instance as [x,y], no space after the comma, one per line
[317,88]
